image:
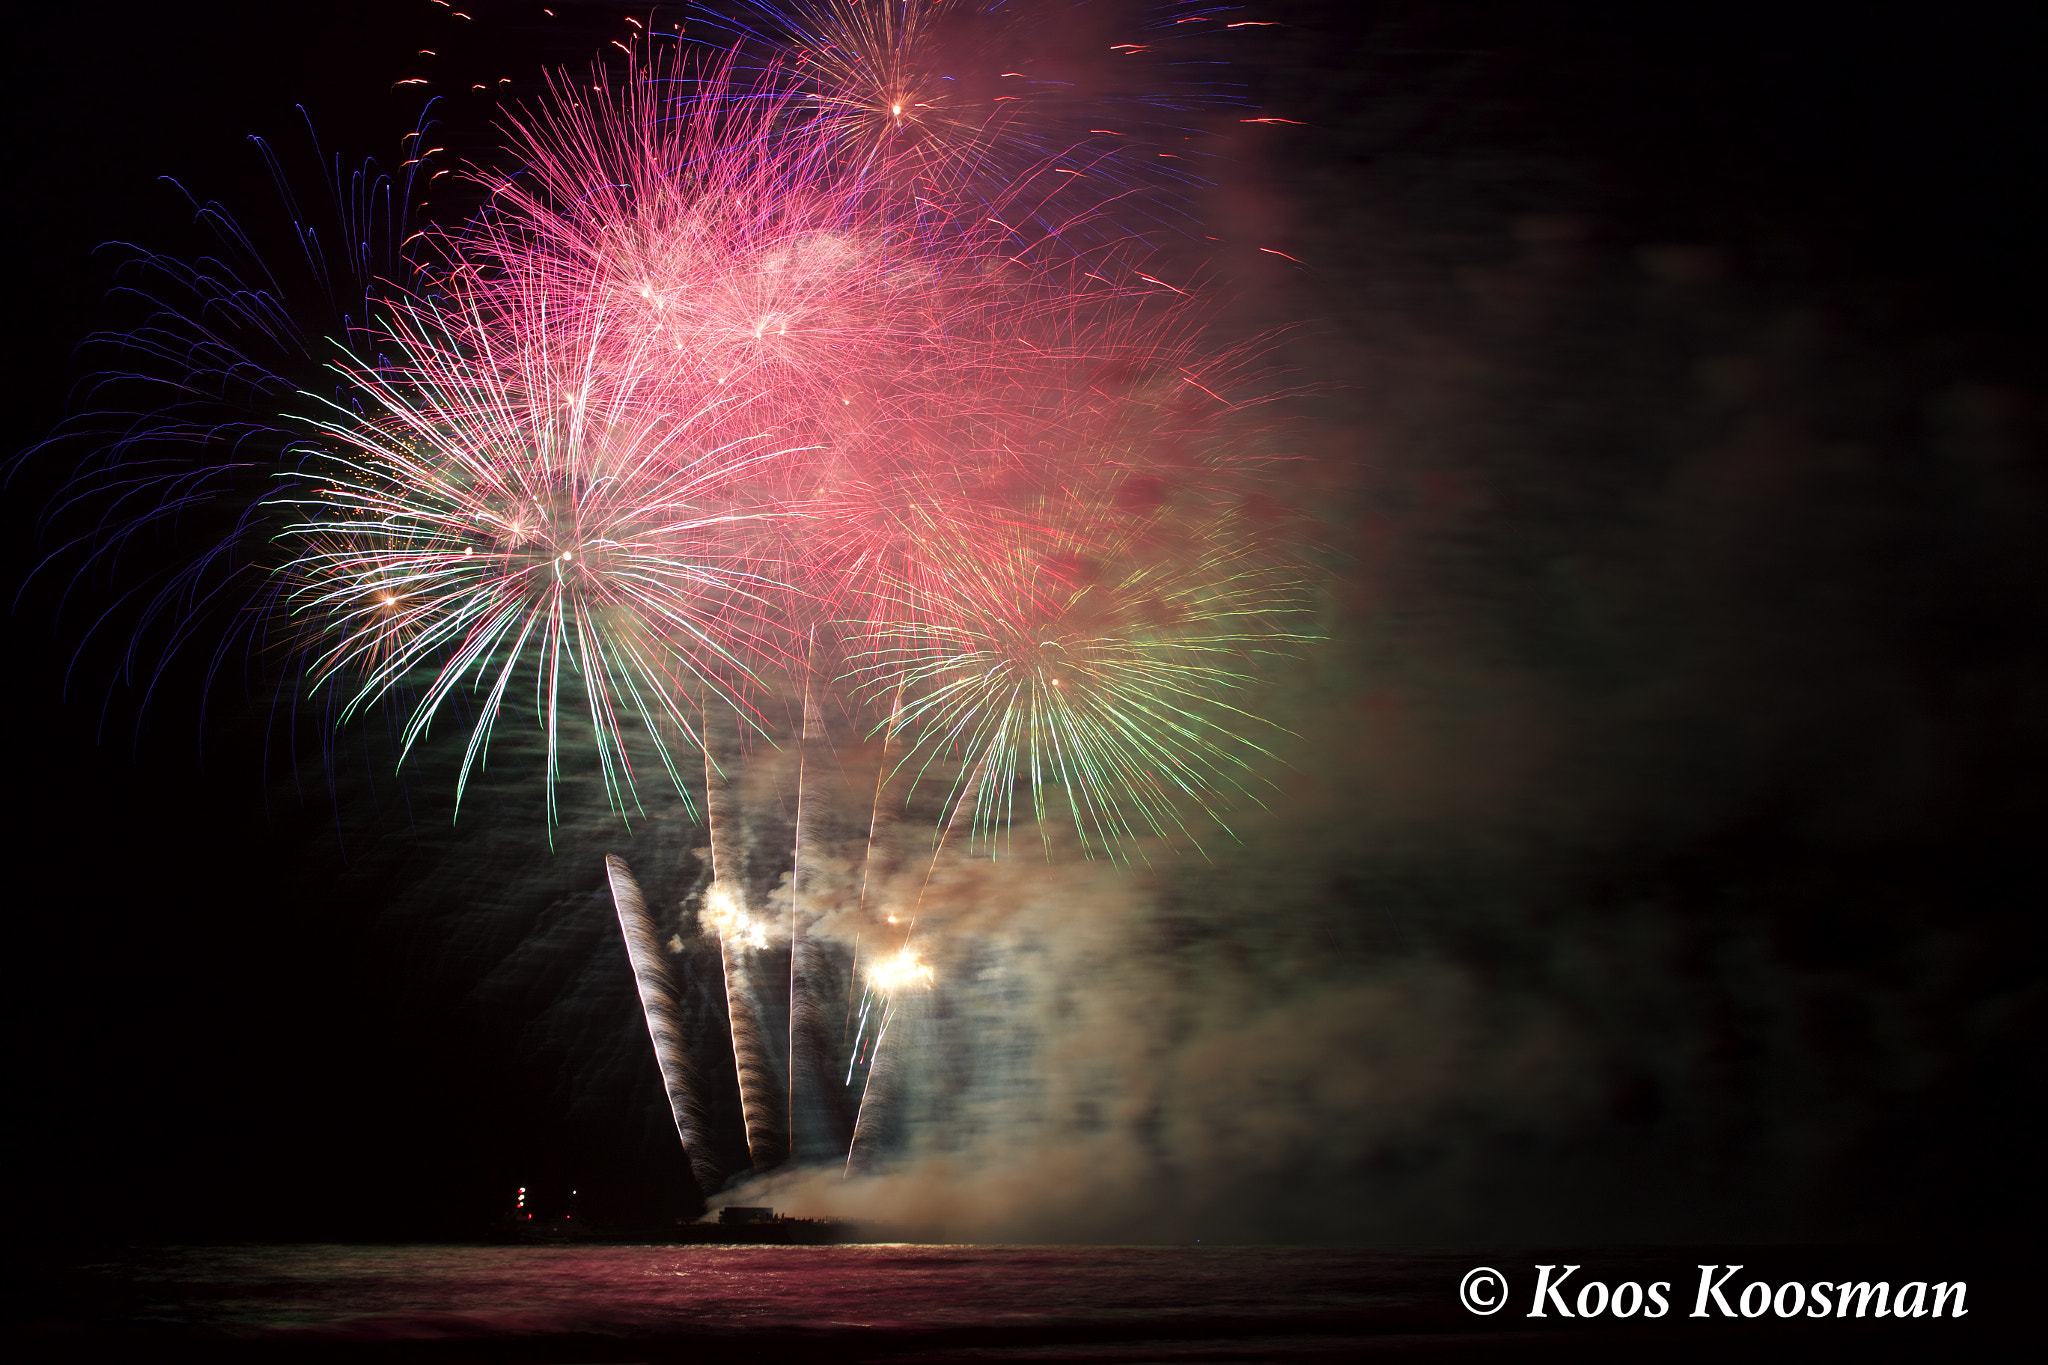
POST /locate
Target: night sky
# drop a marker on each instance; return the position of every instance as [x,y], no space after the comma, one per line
[1661,855]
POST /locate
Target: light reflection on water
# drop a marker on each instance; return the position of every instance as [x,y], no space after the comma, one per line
[869,1304]
[843,1300]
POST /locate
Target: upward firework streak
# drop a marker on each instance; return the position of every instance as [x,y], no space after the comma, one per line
[664,1024]
[743,937]
[889,982]
[755,394]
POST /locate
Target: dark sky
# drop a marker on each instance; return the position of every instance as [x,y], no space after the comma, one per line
[1680,373]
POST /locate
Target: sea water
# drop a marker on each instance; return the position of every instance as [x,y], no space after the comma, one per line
[866,1303]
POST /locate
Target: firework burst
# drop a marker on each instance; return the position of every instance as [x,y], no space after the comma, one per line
[185,425]
[1117,685]
[977,107]
[831,389]
[513,497]
[703,213]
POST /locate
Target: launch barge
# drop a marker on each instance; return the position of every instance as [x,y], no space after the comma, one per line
[735,1227]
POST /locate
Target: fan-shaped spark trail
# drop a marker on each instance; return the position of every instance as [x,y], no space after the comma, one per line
[744,936]
[672,1048]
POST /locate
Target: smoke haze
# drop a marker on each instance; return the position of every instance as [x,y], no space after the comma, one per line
[1653,853]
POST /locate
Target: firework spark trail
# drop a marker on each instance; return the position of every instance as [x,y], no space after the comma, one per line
[892,982]
[743,935]
[816,1121]
[904,969]
[877,862]
[755,1056]
[679,1076]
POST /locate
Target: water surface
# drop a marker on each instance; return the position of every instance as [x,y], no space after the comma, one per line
[875,1303]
